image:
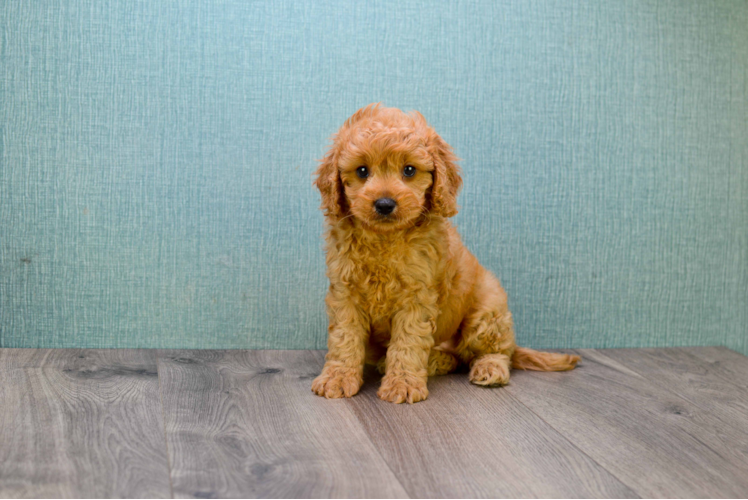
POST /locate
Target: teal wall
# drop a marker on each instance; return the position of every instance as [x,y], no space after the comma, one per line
[155,184]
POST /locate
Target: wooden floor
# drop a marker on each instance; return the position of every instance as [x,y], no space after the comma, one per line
[207,424]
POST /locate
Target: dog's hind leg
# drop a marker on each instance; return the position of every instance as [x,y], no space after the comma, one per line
[441,363]
[487,341]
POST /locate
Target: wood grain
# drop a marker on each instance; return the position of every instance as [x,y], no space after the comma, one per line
[728,364]
[628,422]
[468,441]
[246,424]
[81,423]
[720,401]
[656,442]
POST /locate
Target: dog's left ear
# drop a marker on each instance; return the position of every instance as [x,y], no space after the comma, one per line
[330,186]
[447,180]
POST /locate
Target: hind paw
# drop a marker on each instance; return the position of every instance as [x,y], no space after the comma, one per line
[490,369]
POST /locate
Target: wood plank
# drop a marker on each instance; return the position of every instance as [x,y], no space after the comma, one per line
[728,364]
[682,372]
[474,442]
[81,423]
[246,424]
[656,442]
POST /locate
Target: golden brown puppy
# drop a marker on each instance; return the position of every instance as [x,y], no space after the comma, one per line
[405,293]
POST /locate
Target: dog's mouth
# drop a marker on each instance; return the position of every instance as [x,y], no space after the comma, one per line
[387,223]
[381,223]
[386,219]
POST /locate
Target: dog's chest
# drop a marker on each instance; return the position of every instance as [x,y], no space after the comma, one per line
[383,276]
[380,282]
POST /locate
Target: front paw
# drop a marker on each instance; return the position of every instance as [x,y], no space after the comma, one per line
[337,383]
[401,389]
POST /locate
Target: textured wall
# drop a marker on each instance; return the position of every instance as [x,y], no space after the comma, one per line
[155,184]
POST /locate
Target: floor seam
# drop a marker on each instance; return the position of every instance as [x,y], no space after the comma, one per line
[384,460]
[373,444]
[716,374]
[678,394]
[163,421]
[574,445]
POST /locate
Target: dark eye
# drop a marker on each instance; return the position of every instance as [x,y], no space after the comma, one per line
[409,171]
[362,172]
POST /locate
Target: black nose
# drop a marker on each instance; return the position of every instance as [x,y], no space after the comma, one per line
[385,206]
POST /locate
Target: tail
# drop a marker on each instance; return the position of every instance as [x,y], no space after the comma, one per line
[528,359]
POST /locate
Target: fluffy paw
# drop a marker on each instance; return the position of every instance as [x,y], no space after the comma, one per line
[490,369]
[441,363]
[399,390]
[337,383]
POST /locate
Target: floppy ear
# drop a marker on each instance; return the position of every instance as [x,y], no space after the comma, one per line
[447,180]
[328,180]
[329,185]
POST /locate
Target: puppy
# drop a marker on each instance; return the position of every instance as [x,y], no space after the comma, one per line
[405,294]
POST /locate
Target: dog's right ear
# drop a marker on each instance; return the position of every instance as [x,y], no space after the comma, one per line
[330,186]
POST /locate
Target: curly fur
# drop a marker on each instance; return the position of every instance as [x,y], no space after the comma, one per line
[405,294]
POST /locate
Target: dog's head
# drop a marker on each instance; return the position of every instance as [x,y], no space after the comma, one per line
[386,168]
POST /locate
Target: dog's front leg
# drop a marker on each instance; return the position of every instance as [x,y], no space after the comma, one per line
[348,333]
[407,360]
